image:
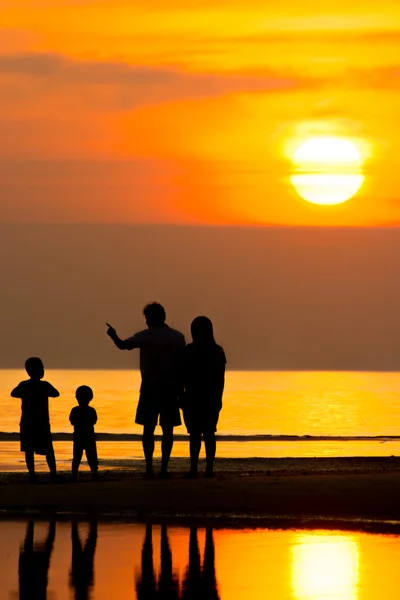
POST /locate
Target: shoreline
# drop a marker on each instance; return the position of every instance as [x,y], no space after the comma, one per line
[14,436]
[259,491]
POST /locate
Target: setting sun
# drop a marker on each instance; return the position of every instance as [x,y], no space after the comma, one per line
[328,170]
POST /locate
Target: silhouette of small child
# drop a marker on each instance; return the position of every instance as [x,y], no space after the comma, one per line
[83,418]
[35,419]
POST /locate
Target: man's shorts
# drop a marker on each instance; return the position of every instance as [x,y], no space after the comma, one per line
[158,409]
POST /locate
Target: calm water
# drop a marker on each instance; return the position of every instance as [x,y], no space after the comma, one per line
[132,561]
[276,403]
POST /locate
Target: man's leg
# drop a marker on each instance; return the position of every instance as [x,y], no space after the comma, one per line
[211,446]
[30,463]
[195,445]
[148,447]
[166,447]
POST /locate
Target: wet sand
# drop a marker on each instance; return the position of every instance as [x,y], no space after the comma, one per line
[261,489]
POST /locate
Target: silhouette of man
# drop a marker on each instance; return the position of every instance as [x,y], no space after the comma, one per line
[167,585]
[34,563]
[200,582]
[160,347]
[82,568]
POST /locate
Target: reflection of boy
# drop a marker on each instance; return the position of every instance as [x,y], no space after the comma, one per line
[34,564]
[83,417]
[35,419]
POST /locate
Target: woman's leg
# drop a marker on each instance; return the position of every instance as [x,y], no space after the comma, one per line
[195,445]
[211,446]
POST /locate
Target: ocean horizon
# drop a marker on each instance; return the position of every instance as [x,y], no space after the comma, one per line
[265,414]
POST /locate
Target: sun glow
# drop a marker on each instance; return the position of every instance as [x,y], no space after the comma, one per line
[325,566]
[327,170]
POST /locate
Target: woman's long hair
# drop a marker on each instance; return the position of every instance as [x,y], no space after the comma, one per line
[202,332]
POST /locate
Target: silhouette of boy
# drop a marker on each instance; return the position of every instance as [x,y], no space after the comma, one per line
[35,433]
[83,418]
[34,564]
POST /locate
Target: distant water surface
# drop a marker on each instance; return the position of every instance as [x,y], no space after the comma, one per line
[343,404]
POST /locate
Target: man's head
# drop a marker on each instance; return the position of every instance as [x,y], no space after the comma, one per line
[154,314]
[34,368]
[84,394]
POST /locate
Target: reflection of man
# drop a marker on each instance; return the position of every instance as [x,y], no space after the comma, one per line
[34,563]
[82,568]
[168,585]
[147,586]
[159,347]
[200,582]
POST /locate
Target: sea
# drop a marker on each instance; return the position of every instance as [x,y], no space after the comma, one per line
[265,414]
[117,560]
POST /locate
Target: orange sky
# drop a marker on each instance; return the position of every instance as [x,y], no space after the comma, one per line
[114,112]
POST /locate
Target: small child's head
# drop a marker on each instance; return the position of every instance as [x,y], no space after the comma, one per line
[84,394]
[34,368]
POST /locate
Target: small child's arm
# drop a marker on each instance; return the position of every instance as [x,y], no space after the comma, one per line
[72,417]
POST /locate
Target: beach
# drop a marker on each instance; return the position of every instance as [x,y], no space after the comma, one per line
[255,489]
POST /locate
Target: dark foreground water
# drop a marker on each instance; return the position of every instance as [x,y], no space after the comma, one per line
[121,561]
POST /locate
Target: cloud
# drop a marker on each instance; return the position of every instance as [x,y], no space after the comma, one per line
[385,77]
[143,84]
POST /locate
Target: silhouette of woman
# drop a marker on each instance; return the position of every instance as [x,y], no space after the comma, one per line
[200,582]
[203,379]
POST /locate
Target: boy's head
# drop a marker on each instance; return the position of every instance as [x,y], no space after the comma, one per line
[84,394]
[34,368]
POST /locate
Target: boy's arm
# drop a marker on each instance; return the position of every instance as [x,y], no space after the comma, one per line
[51,391]
[17,391]
[94,417]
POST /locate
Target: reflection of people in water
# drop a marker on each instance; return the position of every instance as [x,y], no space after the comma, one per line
[82,568]
[168,584]
[210,585]
[34,563]
[200,582]
[148,587]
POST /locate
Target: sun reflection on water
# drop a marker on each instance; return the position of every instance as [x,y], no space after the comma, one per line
[325,566]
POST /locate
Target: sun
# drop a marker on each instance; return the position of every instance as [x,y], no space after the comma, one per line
[327,170]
